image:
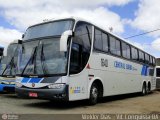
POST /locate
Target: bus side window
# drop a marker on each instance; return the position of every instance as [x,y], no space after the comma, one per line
[101,40]
[151,72]
[126,52]
[134,53]
[150,60]
[154,61]
[146,58]
[141,56]
[81,47]
[115,47]
[98,44]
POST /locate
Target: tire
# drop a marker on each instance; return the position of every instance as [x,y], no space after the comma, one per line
[148,88]
[94,93]
[144,90]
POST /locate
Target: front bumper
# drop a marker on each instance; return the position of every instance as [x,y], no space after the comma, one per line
[47,94]
[7,88]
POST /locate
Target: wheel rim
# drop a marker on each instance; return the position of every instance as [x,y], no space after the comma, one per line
[144,91]
[94,93]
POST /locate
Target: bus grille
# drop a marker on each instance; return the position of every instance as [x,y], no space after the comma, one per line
[158,84]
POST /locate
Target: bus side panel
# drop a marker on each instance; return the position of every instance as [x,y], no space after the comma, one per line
[119,76]
[78,86]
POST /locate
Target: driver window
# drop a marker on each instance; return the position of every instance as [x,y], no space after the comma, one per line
[81,47]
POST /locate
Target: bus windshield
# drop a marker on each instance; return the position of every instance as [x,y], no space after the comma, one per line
[42,57]
[9,62]
[48,29]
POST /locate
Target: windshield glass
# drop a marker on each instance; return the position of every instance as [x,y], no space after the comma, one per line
[9,62]
[43,57]
[48,29]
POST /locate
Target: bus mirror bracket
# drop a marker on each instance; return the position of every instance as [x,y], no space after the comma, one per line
[64,39]
[22,36]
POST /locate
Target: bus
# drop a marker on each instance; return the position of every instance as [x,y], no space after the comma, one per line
[157,74]
[1,51]
[1,54]
[73,59]
[9,67]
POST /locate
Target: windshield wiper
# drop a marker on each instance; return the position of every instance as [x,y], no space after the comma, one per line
[31,59]
[11,65]
[43,60]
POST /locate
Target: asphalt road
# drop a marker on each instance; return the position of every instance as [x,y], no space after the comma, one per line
[125,104]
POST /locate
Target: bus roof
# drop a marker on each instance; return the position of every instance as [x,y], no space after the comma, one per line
[82,19]
[15,41]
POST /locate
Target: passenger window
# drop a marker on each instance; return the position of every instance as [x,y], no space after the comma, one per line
[115,46]
[150,60]
[98,40]
[126,50]
[147,58]
[151,72]
[141,56]
[134,54]
[101,41]
[105,42]
[154,61]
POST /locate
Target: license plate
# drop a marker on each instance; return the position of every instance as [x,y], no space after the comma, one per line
[33,95]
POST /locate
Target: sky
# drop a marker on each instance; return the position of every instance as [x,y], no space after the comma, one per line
[126,17]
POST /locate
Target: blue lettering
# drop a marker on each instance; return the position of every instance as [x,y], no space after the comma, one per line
[123,66]
[129,67]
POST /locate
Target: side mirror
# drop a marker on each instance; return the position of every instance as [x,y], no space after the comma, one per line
[19,41]
[64,39]
[22,36]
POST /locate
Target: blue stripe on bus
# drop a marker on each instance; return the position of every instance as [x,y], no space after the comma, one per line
[25,80]
[144,71]
[35,80]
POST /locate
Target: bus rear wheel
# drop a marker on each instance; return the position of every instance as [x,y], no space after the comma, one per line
[149,88]
[94,92]
[144,90]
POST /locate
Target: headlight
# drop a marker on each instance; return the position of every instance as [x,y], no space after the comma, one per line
[55,86]
[18,84]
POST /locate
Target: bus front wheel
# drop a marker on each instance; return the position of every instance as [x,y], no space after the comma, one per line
[93,94]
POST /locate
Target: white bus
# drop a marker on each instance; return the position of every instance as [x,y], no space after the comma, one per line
[72,59]
[1,54]
[157,74]
[9,67]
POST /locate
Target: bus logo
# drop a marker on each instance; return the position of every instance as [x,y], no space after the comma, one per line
[33,85]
